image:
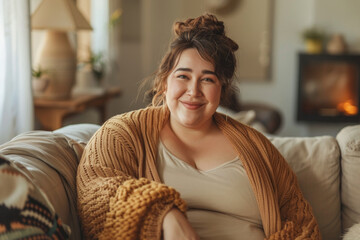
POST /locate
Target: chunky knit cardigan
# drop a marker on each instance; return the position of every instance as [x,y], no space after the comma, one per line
[120,195]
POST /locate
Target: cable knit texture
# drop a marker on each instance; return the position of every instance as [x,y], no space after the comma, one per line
[120,195]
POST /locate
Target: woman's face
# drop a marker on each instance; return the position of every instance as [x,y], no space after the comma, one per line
[193,90]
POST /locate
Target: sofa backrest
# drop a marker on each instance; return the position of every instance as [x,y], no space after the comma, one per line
[349,142]
[316,162]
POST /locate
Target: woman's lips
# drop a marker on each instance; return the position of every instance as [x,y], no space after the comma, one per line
[192,105]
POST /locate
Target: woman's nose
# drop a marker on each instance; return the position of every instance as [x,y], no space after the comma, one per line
[194,88]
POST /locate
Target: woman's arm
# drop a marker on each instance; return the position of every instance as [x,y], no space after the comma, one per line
[177,227]
[112,201]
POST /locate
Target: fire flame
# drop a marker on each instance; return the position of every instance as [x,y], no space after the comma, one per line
[347,107]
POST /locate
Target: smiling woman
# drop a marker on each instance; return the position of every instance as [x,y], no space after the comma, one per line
[180,170]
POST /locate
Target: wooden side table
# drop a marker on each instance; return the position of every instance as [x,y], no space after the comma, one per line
[51,113]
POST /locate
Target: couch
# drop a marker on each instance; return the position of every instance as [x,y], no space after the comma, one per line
[328,171]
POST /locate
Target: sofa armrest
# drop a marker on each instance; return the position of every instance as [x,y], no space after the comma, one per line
[349,141]
[81,133]
[50,160]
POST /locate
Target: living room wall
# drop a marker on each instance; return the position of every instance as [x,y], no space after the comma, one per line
[146,31]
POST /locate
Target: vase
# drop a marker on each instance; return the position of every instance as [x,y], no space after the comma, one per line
[87,83]
[39,86]
[336,45]
[58,57]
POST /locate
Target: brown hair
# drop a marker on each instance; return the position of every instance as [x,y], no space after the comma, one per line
[207,35]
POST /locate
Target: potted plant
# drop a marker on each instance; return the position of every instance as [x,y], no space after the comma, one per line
[40,80]
[97,65]
[314,39]
[91,72]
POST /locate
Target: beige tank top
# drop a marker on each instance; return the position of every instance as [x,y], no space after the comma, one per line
[221,202]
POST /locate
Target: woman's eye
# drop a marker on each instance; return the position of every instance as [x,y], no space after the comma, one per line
[182,77]
[209,80]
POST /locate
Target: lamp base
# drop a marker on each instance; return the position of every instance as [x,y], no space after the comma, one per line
[58,60]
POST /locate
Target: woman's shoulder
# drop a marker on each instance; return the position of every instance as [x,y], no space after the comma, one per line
[138,115]
[137,120]
[239,130]
[253,140]
[226,122]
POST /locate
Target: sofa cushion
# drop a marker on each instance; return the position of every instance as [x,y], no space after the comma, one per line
[349,142]
[316,162]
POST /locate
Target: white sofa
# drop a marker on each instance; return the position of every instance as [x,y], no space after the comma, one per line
[328,170]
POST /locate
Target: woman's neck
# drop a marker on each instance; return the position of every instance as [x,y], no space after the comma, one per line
[186,134]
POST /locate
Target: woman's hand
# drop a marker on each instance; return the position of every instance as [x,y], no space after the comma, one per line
[176,226]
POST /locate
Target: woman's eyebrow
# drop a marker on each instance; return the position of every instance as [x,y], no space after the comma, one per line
[190,70]
[184,69]
[208,72]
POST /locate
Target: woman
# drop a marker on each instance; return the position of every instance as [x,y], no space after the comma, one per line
[235,183]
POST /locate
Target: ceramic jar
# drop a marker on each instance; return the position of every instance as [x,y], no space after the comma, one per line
[336,45]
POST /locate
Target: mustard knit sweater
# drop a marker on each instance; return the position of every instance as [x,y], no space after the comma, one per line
[120,195]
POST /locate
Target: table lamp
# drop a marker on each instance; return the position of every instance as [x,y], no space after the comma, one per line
[56,55]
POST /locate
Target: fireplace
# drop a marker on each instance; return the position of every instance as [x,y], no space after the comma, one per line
[328,88]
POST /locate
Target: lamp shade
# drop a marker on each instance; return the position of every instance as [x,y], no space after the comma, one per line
[59,15]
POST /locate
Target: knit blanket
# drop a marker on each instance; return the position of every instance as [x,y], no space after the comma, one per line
[25,211]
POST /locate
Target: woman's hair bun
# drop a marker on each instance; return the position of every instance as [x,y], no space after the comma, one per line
[205,22]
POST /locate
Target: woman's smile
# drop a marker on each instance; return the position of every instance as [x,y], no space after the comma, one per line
[192,105]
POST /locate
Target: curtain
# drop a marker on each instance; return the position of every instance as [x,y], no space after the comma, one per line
[16,102]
